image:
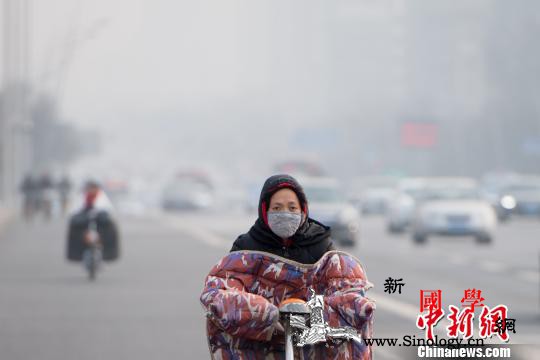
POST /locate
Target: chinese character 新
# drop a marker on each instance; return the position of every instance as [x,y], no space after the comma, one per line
[391,285]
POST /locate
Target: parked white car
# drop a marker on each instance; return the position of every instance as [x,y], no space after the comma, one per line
[453,207]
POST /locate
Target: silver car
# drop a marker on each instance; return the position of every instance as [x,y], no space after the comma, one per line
[453,207]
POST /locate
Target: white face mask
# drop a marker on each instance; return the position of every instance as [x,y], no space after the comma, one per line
[283,223]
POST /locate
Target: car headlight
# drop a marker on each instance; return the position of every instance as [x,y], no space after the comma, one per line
[508,202]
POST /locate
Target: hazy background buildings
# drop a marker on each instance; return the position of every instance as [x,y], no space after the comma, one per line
[140,87]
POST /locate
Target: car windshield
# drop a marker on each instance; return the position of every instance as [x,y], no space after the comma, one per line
[325,194]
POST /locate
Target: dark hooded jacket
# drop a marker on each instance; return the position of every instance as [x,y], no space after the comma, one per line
[306,246]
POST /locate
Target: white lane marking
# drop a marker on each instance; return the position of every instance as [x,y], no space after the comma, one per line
[400,308]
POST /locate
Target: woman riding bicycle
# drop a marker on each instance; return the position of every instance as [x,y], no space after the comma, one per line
[285,254]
